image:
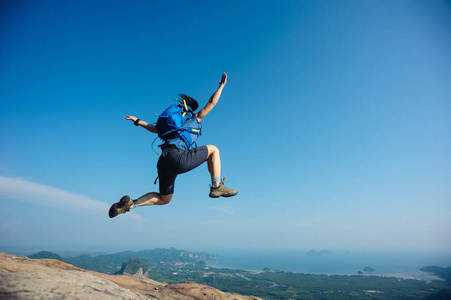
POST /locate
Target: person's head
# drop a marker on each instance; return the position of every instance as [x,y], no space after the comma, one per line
[192,103]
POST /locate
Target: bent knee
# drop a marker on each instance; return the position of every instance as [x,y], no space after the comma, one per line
[165,199]
[212,149]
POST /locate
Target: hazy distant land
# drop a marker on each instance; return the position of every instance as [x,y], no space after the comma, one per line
[177,266]
[318,253]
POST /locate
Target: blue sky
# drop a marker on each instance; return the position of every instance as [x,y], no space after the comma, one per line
[334,125]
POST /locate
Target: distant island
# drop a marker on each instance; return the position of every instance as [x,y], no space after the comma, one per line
[366,270]
[313,253]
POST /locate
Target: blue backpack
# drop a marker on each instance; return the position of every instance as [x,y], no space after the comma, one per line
[171,124]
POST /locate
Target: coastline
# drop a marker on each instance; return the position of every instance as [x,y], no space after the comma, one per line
[401,266]
[423,276]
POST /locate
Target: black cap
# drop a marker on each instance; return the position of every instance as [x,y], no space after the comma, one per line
[192,103]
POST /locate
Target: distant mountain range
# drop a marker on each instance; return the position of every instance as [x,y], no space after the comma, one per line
[113,263]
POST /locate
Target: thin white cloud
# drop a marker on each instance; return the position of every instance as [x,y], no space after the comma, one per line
[10,225]
[45,195]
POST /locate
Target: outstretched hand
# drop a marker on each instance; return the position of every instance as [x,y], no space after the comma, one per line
[223,80]
[131,118]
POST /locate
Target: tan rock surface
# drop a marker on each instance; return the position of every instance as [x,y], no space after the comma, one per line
[24,278]
[61,284]
[192,290]
[13,263]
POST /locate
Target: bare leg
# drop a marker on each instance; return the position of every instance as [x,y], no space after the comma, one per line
[214,161]
[154,198]
[214,167]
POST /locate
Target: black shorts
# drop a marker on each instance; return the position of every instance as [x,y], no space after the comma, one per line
[176,162]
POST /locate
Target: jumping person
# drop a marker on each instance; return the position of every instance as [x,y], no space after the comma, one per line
[179,157]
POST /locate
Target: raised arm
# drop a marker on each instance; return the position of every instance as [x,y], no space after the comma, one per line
[143,124]
[213,99]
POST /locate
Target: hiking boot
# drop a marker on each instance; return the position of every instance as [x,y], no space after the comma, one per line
[222,191]
[120,207]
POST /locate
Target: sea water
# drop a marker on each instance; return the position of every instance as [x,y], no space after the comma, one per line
[334,263]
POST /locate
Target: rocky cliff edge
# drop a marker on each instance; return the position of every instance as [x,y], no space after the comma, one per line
[25,278]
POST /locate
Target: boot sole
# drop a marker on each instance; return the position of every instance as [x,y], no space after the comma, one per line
[114,211]
[222,195]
